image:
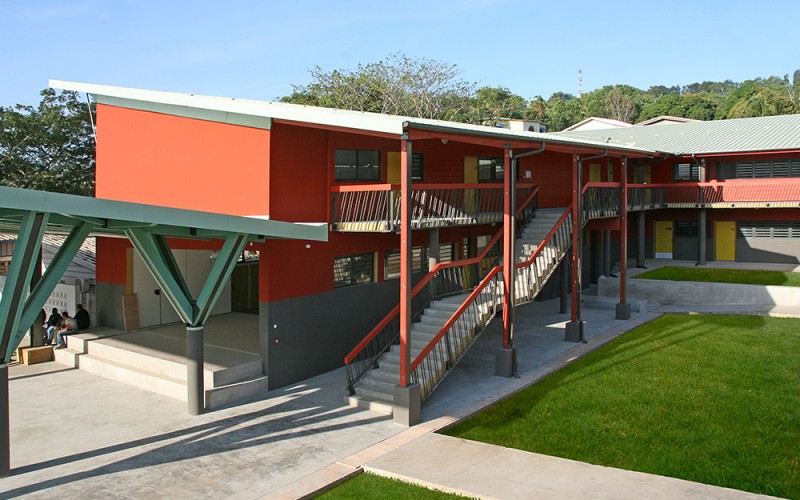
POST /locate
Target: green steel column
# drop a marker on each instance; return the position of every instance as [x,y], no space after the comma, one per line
[194,369]
[5,426]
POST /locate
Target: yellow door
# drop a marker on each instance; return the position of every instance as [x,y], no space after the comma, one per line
[646,180]
[663,239]
[725,240]
[594,172]
[470,177]
[393,167]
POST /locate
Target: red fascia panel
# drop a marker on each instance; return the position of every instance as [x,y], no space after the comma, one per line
[178,162]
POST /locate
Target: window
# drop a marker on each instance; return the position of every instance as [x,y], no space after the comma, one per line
[689,229]
[685,172]
[490,169]
[357,165]
[353,270]
[417,166]
[758,169]
[768,229]
[419,262]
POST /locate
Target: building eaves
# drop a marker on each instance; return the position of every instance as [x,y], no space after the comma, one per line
[193,105]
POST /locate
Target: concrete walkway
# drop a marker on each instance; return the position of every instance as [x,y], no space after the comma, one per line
[75,435]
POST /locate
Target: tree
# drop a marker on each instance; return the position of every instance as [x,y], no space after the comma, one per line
[397,85]
[493,103]
[50,147]
[619,106]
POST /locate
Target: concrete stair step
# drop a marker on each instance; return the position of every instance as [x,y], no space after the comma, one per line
[357,401]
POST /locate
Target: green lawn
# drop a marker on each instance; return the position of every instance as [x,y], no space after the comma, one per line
[739,276]
[714,399]
[377,487]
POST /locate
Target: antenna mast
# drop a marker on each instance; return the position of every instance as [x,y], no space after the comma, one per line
[580,83]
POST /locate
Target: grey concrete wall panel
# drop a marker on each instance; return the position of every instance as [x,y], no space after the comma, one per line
[109,305]
[775,250]
[310,335]
[687,293]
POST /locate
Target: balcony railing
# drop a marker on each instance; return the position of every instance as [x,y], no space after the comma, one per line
[734,193]
[376,207]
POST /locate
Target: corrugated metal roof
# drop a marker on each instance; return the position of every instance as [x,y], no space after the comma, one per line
[225,107]
[768,133]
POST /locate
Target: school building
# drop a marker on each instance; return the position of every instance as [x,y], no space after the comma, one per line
[434,228]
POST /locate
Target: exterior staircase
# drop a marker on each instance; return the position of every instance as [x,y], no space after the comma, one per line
[375,390]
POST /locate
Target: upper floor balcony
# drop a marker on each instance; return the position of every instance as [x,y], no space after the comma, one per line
[602,199]
[376,207]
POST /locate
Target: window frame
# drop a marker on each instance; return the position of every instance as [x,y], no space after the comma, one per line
[376,155]
[354,271]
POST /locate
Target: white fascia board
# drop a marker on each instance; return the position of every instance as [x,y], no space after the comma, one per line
[309,114]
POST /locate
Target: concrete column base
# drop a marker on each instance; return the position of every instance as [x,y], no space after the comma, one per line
[623,311]
[573,332]
[407,405]
[505,362]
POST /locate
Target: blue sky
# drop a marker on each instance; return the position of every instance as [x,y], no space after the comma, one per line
[258,49]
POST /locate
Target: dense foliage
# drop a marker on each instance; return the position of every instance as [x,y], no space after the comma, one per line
[49,147]
[431,89]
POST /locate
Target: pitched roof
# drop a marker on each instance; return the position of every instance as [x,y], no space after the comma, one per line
[596,123]
[665,119]
[768,133]
[260,114]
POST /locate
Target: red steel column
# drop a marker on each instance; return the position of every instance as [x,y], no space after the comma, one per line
[576,228]
[623,229]
[508,247]
[405,260]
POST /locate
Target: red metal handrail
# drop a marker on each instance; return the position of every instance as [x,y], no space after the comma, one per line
[429,276]
[472,296]
[546,240]
[450,322]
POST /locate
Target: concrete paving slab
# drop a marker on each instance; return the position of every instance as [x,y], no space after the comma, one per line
[488,471]
[75,435]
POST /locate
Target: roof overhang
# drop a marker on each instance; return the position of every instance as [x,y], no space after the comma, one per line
[263,114]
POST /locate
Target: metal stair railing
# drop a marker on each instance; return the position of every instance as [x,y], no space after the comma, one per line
[448,278]
[376,207]
[469,321]
[543,262]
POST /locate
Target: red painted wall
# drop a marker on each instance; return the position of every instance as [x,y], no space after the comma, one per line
[112,260]
[553,172]
[158,159]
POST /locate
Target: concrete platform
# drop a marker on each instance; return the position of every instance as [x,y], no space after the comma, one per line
[154,359]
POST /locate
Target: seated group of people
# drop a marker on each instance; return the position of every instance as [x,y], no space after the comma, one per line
[61,325]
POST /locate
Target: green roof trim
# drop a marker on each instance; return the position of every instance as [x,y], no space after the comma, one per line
[113,218]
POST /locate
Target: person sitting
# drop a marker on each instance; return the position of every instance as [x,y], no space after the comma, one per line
[52,324]
[82,317]
[69,326]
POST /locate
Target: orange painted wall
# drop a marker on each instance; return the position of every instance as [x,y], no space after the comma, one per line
[158,159]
